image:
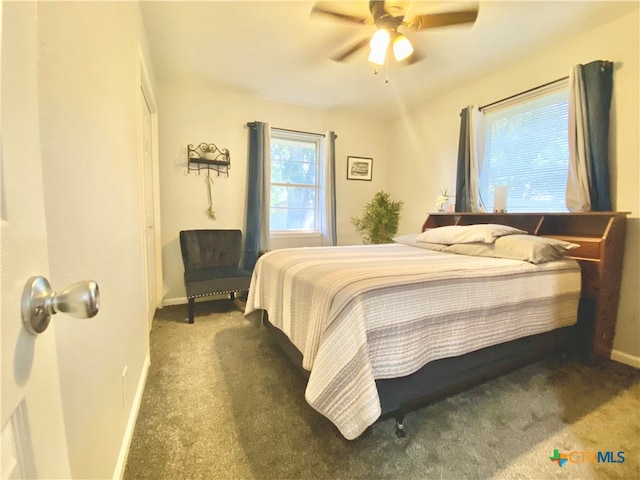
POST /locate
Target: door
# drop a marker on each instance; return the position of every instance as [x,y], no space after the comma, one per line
[33,436]
[148,112]
[149,217]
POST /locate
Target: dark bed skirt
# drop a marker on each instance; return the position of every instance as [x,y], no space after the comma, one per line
[448,376]
[442,378]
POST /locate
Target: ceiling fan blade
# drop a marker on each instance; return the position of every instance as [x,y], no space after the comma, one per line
[435,20]
[343,55]
[321,10]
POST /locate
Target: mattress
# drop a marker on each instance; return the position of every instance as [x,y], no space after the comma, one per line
[361,313]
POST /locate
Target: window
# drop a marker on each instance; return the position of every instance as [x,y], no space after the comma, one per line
[295,182]
[527,149]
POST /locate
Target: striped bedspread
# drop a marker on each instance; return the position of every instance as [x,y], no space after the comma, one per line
[360,313]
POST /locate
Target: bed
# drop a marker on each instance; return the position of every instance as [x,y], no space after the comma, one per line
[380,330]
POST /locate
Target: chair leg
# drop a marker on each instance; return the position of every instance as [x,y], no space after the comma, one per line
[192,307]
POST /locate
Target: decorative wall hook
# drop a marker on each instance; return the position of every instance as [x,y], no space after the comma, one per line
[207,156]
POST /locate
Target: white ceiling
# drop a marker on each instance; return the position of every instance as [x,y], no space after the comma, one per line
[276,50]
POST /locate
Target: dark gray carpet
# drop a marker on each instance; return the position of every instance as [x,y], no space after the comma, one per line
[221,401]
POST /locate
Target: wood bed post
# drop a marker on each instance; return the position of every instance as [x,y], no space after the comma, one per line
[610,275]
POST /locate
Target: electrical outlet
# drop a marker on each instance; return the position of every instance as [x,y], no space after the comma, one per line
[125,382]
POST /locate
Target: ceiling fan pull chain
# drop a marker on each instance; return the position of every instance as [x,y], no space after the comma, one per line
[386,71]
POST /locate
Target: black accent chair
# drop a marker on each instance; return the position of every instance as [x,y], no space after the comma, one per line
[211,259]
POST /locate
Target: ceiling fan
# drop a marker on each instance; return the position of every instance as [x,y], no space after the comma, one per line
[389,18]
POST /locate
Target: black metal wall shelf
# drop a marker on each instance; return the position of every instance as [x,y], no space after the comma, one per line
[207,156]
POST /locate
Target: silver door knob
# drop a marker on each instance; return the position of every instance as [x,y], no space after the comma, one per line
[39,302]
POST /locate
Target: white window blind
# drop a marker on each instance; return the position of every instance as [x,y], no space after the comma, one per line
[527,149]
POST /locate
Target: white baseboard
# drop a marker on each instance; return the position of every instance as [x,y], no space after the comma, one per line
[167,302]
[625,358]
[131,424]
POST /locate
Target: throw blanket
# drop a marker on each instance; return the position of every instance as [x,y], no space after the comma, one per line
[361,313]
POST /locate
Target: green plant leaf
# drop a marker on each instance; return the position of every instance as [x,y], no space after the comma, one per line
[380,219]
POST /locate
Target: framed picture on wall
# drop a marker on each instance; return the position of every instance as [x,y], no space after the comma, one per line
[359,168]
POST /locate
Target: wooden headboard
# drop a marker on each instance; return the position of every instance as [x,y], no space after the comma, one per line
[601,237]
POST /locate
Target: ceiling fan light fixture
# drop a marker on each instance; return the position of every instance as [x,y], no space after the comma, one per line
[379,44]
[402,48]
[377,56]
[389,16]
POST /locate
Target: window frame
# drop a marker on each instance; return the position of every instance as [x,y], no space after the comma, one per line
[311,138]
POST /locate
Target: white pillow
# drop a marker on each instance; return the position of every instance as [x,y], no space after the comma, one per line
[486,233]
[410,239]
[533,249]
[529,248]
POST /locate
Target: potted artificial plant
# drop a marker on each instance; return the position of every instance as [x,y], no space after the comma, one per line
[379,220]
[208,152]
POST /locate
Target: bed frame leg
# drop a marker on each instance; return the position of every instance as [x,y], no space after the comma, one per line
[400,426]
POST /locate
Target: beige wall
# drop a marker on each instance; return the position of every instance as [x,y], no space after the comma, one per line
[191,116]
[88,88]
[426,140]
[414,155]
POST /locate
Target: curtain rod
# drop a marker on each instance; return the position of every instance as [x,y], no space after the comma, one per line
[522,93]
[252,124]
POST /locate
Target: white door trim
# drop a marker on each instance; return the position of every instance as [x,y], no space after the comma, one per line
[145,87]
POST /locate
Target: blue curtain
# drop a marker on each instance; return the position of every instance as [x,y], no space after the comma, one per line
[328,207]
[470,158]
[463,202]
[598,84]
[257,226]
[590,91]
